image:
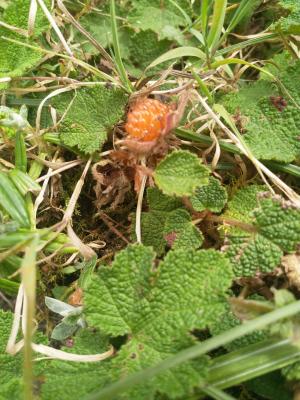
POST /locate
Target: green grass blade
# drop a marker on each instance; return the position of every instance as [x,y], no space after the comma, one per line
[217,22]
[243,9]
[23,182]
[20,152]
[116,45]
[179,52]
[246,43]
[12,201]
[204,17]
[196,351]
[252,361]
[9,287]
[187,18]
[228,61]
[290,169]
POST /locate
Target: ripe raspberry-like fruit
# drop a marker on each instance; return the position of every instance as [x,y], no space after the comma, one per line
[146,120]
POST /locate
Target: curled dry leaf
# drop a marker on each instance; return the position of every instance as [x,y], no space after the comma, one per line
[113,182]
[291,265]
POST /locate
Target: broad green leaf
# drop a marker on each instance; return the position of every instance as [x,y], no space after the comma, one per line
[15,59]
[289,24]
[159,16]
[143,47]
[93,111]
[277,231]
[156,308]
[180,173]
[168,224]
[270,130]
[179,231]
[211,197]
[229,320]
[12,201]
[59,382]
[12,365]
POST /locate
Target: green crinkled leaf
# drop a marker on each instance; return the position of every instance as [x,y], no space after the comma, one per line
[277,225]
[272,133]
[158,201]
[180,232]
[152,226]
[279,222]
[158,16]
[11,366]
[16,59]
[241,205]
[211,197]
[157,307]
[153,221]
[253,254]
[11,377]
[229,320]
[93,111]
[290,23]
[292,372]
[168,223]
[122,288]
[180,173]
[144,47]
[73,381]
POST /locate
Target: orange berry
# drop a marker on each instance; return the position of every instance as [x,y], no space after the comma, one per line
[146,120]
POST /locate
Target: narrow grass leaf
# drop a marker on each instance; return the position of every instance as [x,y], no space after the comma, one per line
[179,52]
[217,22]
[20,152]
[120,66]
[12,201]
[23,182]
[242,10]
[204,17]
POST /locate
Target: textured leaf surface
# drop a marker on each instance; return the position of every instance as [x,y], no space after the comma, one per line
[16,59]
[241,205]
[73,381]
[180,173]
[168,223]
[271,133]
[291,22]
[211,197]
[11,366]
[11,376]
[160,17]
[229,320]
[277,226]
[157,307]
[93,111]
[179,231]
[143,48]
